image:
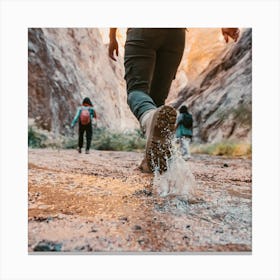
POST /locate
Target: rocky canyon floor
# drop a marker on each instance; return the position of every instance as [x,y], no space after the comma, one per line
[101,202]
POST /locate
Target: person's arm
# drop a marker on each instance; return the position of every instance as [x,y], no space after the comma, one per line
[230,32]
[93,113]
[178,121]
[76,117]
[113,44]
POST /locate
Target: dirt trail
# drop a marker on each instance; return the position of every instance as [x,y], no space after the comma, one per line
[101,203]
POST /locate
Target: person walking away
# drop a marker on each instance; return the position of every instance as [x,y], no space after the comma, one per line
[84,115]
[152,56]
[184,131]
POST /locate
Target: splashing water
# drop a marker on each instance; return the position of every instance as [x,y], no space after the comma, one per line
[178,180]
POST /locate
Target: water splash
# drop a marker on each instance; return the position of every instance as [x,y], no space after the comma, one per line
[178,180]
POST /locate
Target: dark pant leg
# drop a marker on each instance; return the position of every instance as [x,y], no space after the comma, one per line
[152,56]
[139,61]
[168,58]
[81,134]
[139,102]
[88,135]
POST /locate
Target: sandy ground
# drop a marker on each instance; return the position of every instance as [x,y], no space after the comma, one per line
[101,203]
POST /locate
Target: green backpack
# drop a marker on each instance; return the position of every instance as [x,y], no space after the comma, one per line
[187,121]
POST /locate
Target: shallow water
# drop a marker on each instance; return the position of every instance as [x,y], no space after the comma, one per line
[178,180]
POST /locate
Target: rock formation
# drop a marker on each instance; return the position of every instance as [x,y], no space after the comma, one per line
[202,46]
[64,66]
[220,97]
[214,80]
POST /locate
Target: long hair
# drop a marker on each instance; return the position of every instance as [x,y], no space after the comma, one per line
[87,101]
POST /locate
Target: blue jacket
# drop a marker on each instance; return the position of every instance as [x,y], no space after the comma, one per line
[181,130]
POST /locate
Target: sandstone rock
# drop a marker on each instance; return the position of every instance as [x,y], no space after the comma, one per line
[220,97]
[64,66]
[202,46]
[214,80]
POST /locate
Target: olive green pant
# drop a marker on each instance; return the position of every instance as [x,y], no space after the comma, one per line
[152,56]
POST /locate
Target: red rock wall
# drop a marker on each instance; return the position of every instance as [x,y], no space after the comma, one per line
[64,66]
[214,80]
[220,95]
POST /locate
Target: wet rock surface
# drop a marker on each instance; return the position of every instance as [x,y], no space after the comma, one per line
[101,202]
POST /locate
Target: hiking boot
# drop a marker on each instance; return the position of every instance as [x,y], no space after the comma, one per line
[87,151]
[160,127]
[79,150]
[146,120]
[144,167]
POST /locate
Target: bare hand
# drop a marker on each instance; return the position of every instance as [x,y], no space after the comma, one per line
[230,32]
[113,46]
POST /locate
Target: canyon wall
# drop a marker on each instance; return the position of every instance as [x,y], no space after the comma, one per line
[64,66]
[219,95]
[213,80]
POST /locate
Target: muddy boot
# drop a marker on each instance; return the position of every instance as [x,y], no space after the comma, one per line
[144,167]
[79,150]
[159,127]
[145,122]
[87,151]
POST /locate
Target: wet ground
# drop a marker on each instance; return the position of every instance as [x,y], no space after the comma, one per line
[101,203]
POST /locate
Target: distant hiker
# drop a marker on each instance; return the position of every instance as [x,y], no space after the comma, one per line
[151,59]
[85,114]
[184,131]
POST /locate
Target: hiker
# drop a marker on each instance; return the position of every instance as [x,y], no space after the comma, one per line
[85,114]
[184,131]
[152,56]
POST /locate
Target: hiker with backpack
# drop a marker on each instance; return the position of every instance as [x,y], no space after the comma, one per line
[184,131]
[84,115]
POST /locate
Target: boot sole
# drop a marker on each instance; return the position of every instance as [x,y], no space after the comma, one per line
[158,148]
